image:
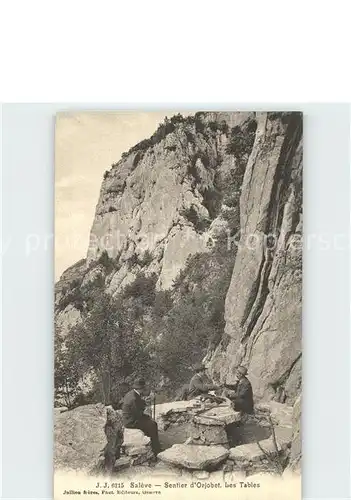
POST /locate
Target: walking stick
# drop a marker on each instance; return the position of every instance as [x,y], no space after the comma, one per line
[154,407]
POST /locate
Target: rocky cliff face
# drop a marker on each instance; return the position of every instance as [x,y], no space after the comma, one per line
[163,200]
[231,175]
[263,303]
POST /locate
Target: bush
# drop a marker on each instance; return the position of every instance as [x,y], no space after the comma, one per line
[199,125]
[223,127]
[143,288]
[241,140]
[232,199]
[214,126]
[146,259]
[165,128]
[232,216]
[200,223]
[72,295]
[212,200]
[163,303]
[106,261]
[190,137]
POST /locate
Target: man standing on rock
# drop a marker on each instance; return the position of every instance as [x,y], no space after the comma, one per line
[243,397]
[133,408]
[200,384]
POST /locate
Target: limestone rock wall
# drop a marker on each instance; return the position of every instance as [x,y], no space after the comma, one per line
[263,302]
[143,204]
[159,204]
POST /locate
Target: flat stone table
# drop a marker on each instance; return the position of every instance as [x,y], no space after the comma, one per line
[209,427]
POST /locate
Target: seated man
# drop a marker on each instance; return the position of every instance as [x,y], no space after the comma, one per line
[200,384]
[133,408]
[242,397]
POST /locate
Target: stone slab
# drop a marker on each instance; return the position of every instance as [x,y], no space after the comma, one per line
[251,452]
[135,438]
[194,456]
[220,415]
[122,463]
[280,412]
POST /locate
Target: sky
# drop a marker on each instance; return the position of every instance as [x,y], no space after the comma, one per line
[86,145]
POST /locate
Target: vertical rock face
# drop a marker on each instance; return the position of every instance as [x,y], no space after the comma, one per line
[263,303]
[145,201]
[296,453]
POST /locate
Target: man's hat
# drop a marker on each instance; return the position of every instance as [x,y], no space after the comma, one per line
[139,383]
[242,370]
[199,367]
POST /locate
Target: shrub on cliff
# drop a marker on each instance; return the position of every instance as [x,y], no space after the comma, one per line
[199,222]
[72,295]
[106,261]
[143,287]
[165,128]
[241,140]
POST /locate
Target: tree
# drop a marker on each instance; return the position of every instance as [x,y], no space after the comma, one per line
[109,342]
[66,374]
[183,340]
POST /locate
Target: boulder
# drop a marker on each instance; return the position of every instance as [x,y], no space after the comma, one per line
[281,414]
[194,456]
[60,409]
[122,463]
[251,452]
[137,446]
[79,437]
[284,436]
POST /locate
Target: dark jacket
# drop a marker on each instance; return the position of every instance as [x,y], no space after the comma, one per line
[243,400]
[200,384]
[132,409]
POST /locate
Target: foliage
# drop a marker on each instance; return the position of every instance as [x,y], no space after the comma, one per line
[196,320]
[72,294]
[212,200]
[183,339]
[218,126]
[65,376]
[146,259]
[165,128]
[241,140]
[163,303]
[108,343]
[106,261]
[200,223]
[143,287]
[233,219]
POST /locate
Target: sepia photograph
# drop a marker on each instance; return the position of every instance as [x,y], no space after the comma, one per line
[178,303]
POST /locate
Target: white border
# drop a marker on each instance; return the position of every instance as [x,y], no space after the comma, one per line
[27,189]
